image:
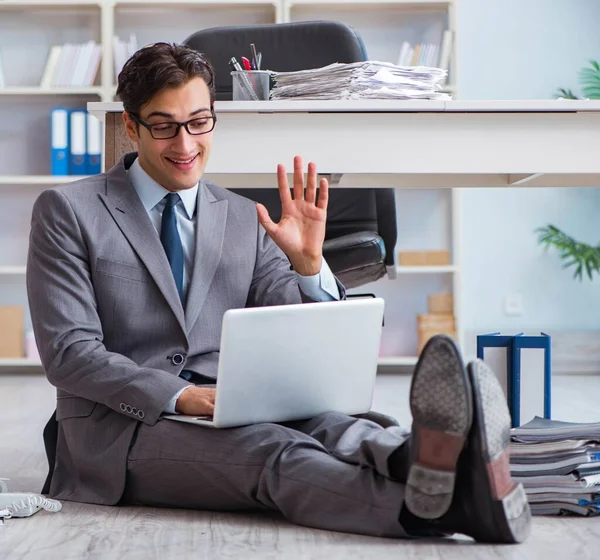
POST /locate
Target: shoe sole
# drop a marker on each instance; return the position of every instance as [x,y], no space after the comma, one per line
[441,407]
[509,515]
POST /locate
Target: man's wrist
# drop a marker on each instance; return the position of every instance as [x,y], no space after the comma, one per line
[181,399]
[307,266]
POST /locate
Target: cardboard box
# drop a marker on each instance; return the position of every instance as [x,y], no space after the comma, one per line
[429,321]
[412,258]
[12,331]
[440,303]
[430,324]
[423,258]
[437,258]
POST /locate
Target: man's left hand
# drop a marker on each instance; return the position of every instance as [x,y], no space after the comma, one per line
[301,231]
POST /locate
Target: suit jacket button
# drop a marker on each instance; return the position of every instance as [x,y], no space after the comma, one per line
[177,359]
[140,413]
[123,407]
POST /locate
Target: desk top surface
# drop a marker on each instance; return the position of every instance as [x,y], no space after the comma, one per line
[384,105]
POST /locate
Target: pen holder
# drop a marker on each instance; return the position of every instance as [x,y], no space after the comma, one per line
[251,85]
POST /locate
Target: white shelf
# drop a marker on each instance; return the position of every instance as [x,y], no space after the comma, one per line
[195,3]
[445,269]
[12,270]
[397,360]
[47,180]
[383,25]
[19,362]
[49,3]
[411,4]
[34,90]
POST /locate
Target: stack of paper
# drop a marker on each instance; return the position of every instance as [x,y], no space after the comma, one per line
[558,464]
[361,80]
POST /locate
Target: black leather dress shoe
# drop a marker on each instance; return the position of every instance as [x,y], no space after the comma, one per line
[488,505]
[495,508]
[441,407]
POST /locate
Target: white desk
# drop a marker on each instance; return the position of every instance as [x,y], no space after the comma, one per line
[380,143]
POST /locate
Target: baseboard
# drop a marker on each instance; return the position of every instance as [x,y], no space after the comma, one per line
[573,352]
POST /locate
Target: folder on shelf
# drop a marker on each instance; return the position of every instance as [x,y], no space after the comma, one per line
[93,156]
[59,141]
[77,145]
[522,364]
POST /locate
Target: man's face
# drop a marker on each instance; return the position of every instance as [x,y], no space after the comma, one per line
[176,163]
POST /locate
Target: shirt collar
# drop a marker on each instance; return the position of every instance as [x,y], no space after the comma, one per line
[151,193]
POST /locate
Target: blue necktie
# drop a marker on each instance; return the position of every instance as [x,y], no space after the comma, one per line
[169,236]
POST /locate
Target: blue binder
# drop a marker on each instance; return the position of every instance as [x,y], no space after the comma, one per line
[524,371]
[59,141]
[93,161]
[77,144]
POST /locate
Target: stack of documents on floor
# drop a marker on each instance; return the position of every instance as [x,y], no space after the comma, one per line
[558,463]
[361,80]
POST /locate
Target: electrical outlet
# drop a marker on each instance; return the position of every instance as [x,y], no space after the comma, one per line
[513,305]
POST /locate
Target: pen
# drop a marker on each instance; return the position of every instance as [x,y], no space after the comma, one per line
[235,65]
[254,57]
[246,63]
[259,61]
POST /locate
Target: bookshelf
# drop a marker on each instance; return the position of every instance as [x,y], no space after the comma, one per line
[29,28]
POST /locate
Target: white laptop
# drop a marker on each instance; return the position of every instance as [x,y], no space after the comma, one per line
[291,362]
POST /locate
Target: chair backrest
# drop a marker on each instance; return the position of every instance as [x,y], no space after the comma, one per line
[288,47]
[285,47]
[349,211]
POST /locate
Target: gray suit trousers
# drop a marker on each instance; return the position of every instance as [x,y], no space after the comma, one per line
[330,472]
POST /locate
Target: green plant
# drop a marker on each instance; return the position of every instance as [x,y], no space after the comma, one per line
[589,78]
[574,253]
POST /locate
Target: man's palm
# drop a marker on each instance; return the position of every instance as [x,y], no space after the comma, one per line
[301,231]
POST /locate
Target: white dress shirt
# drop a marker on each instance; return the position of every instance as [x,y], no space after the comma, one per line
[320,287]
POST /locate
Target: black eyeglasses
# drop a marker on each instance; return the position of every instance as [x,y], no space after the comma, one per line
[166,130]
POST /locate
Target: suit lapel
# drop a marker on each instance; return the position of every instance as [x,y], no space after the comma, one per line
[125,207]
[211,216]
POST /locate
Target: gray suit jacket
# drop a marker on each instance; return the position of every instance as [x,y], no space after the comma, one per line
[108,320]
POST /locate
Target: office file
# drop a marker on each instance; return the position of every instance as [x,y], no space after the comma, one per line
[77,162]
[532,377]
[59,141]
[522,365]
[93,146]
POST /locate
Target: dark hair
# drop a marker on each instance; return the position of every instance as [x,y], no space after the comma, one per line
[159,66]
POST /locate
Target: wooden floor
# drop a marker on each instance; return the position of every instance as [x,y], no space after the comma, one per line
[103,533]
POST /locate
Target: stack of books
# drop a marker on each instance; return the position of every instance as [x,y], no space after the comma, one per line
[558,464]
[71,65]
[361,80]
[427,54]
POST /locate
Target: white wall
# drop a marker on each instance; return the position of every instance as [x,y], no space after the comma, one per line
[525,49]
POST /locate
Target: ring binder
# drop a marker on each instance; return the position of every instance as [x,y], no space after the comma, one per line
[522,364]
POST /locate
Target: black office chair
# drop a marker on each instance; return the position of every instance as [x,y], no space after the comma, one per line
[361,223]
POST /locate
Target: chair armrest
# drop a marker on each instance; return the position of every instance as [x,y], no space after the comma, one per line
[355,250]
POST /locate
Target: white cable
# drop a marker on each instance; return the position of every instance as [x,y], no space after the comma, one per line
[28,505]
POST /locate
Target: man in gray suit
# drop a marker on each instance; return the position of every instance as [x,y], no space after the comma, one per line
[129,274]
